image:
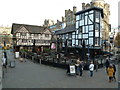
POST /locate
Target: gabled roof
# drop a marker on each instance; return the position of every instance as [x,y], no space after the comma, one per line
[31,28]
[66,30]
[93,8]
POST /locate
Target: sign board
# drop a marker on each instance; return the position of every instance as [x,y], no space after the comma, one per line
[16,54]
[53,46]
[12,64]
[72,69]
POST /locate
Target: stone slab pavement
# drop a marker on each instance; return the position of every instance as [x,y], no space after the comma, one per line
[31,75]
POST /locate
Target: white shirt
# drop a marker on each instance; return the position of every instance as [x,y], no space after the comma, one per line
[91,67]
[3,60]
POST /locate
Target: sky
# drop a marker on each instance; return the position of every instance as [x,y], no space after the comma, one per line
[34,12]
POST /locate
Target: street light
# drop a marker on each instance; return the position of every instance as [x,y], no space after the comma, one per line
[88,52]
[33,50]
[83,48]
[65,47]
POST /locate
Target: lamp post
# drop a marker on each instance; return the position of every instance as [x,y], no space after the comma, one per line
[33,50]
[83,49]
[66,47]
[88,52]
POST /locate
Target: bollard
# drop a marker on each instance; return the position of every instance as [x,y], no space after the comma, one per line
[40,61]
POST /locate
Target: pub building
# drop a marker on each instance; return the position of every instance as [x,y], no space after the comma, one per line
[30,37]
[84,39]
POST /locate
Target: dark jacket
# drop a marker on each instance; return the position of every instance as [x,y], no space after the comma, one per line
[107,64]
[114,67]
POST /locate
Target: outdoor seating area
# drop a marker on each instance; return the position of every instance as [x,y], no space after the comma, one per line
[63,61]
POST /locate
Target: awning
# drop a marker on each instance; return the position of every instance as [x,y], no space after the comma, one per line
[106,52]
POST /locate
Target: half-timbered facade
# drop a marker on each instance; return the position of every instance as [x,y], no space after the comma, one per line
[27,36]
[85,35]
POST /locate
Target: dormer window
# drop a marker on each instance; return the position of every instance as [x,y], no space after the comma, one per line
[46,35]
[23,34]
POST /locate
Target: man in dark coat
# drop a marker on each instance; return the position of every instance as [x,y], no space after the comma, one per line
[107,64]
[114,67]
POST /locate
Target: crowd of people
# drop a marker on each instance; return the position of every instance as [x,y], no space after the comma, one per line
[79,67]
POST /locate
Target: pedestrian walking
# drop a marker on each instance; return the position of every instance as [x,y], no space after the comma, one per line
[77,66]
[96,65]
[107,64]
[114,67]
[81,68]
[110,71]
[4,64]
[91,68]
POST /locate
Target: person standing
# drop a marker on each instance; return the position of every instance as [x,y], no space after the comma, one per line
[110,71]
[114,67]
[107,64]
[91,68]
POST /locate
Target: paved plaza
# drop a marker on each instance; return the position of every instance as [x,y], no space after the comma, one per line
[32,75]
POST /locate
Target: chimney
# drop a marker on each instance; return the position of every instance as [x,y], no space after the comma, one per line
[83,6]
[74,9]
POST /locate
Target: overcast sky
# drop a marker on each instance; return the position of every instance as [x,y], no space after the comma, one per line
[34,12]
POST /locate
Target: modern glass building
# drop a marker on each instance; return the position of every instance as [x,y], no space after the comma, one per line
[87,33]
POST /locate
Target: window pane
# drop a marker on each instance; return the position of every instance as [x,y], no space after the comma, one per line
[77,17]
[77,42]
[91,41]
[96,34]
[77,23]
[86,20]
[96,41]
[80,30]
[97,16]
[73,42]
[70,35]
[80,43]
[86,30]
[90,27]
[76,36]
[83,29]
[81,22]
[85,35]
[90,33]
[96,26]
[73,36]
[82,16]
[90,19]
[76,31]
[79,36]
[86,42]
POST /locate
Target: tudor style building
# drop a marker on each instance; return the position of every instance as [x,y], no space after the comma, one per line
[27,36]
[85,35]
